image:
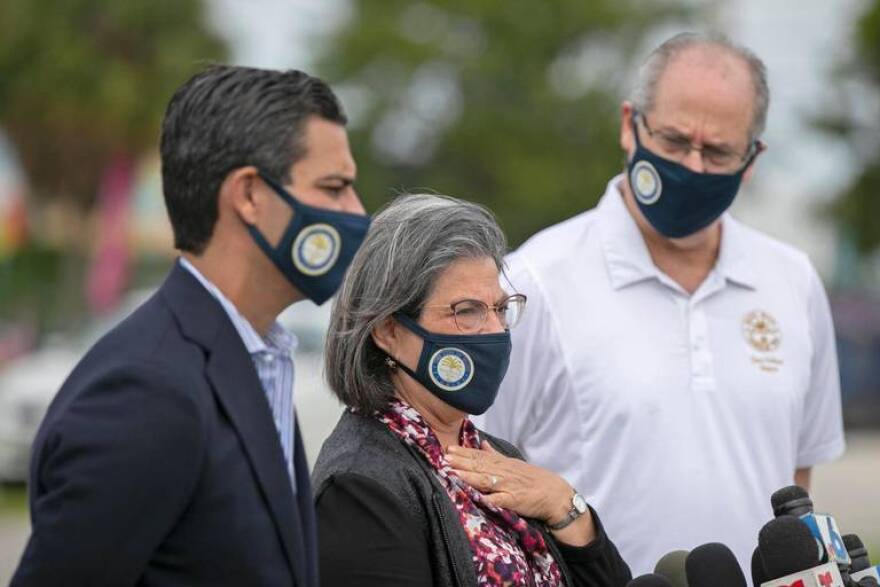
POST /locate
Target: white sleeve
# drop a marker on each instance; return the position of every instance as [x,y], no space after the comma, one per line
[821,437]
[535,405]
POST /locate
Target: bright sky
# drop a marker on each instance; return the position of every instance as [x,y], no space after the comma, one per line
[799,40]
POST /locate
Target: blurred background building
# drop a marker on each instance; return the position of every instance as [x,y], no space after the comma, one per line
[501,101]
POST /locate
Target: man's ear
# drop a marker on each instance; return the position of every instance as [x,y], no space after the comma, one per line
[750,171]
[627,142]
[386,335]
[239,193]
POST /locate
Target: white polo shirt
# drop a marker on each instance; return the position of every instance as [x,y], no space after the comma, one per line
[675,415]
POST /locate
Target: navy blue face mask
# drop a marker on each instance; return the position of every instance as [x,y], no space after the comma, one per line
[463,370]
[677,201]
[317,246]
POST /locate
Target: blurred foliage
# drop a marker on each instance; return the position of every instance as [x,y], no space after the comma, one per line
[858,209]
[498,101]
[26,281]
[84,80]
[13,500]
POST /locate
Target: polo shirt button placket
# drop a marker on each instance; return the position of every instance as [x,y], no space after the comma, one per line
[702,372]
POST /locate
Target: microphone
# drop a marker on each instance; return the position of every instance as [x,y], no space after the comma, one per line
[858,554]
[713,565]
[672,568]
[861,569]
[794,500]
[788,553]
[759,575]
[869,576]
[787,546]
[650,580]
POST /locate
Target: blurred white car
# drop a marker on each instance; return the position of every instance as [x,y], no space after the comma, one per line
[29,383]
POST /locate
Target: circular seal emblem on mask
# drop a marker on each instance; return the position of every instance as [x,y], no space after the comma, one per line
[451,369]
[646,183]
[316,249]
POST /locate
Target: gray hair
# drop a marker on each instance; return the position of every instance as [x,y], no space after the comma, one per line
[410,242]
[649,75]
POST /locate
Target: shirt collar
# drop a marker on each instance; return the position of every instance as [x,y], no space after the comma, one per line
[627,257]
[733,258]
[277,339]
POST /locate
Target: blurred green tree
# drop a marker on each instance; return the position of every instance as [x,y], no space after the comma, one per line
[85,81]
[83,85]
[511,103]
[858,209]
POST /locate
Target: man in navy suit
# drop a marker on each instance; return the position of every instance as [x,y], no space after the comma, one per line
[171,455]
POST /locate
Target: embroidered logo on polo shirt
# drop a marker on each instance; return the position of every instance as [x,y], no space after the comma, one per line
[646,183]
[316,249]
[451,369]
[762,333]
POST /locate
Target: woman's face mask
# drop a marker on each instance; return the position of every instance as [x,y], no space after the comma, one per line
[463,370]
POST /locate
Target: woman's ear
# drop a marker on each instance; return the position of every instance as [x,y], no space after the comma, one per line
[386,334]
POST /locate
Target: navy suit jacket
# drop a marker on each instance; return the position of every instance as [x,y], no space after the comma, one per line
[158,463]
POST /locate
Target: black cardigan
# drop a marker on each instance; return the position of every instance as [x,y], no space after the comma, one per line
[385,520]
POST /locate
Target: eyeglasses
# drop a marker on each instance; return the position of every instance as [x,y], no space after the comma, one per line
[470,315]
[716,159]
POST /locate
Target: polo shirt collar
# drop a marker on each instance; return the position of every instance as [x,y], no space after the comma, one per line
[626,254]
[733,262]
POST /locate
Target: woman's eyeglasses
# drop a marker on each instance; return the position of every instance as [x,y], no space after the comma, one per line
[470,315]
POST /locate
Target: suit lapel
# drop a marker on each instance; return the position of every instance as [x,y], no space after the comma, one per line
[306,507]
[237,386]
[233,376]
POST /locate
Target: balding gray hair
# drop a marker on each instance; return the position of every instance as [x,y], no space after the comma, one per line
[645,92]
[409,244]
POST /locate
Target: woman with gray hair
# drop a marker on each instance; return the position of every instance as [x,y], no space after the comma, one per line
[407,490]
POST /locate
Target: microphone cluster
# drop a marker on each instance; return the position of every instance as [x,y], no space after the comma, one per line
[798,548]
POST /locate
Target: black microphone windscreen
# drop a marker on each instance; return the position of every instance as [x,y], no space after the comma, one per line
[671,567]
[787,546]
[713,565]
[650,580]
[759,575]
[868,582]
[793,499]
[857,553]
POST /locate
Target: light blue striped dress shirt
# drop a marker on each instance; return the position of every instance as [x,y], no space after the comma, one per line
[273,362]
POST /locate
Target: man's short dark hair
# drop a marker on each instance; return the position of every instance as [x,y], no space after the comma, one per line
[229,117]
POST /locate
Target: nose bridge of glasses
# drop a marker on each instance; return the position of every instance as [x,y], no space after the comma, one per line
[695,157]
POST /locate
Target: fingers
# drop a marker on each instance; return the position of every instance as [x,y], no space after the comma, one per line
[482,482]
[487,446]
[469,461]
[474,460]
[465,453]
[501,499]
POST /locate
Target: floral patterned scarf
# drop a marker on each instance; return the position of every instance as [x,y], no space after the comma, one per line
[506,549]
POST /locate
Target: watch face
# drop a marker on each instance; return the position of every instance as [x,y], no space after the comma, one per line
[579,503]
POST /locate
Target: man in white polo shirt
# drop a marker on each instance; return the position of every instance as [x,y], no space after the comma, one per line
[676,366]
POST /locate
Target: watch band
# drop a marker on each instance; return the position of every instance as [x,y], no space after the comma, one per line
[573,514]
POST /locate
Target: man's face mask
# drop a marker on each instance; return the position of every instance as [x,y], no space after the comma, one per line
[317,246]
[676,200]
